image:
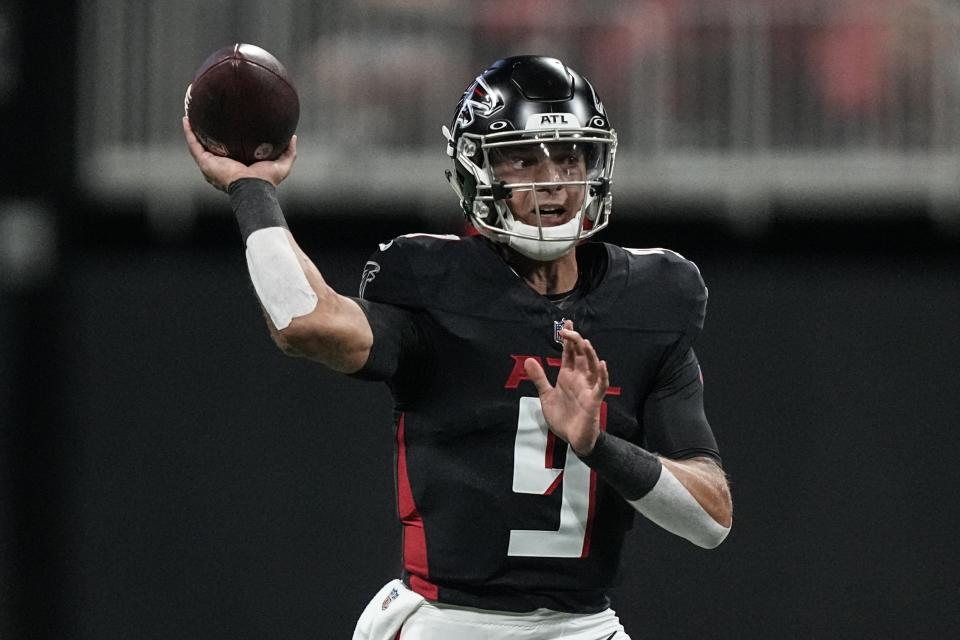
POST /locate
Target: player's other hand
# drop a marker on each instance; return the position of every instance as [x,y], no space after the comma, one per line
[572,407]
[221,172]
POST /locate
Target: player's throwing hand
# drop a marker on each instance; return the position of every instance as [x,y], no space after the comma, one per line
[221,172]
[572,407]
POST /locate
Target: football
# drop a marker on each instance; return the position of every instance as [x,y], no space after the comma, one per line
[242,104]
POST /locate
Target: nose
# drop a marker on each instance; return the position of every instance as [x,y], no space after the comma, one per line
[548,171]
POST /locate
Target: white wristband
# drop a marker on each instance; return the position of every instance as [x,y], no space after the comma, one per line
[278,277]
[671,506]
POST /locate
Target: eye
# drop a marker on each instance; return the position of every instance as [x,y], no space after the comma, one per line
[518,161]
[567,155]
[570,159]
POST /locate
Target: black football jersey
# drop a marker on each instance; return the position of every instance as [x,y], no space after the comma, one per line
[497,512]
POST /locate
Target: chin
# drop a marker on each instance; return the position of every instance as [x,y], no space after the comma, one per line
[551,222]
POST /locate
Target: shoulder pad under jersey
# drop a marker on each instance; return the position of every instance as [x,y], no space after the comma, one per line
[672,281]
[395,273]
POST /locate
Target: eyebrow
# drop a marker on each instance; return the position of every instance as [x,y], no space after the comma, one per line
[515,153]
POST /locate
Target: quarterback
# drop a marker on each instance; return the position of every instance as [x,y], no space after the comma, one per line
[522,456]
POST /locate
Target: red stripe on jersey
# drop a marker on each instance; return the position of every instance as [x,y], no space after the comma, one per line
[550,463]
[424,587]
[553,486]
[414,539]
[593,490]
[548,458]
[593,506]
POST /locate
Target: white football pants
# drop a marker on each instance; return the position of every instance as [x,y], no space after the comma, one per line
[396,609]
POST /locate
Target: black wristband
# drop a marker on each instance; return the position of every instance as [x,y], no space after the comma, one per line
[255,205]
[629,469]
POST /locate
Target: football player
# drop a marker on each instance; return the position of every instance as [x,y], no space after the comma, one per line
[522,456]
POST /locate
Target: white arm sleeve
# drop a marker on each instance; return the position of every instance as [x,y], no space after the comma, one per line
[277,276]
[671,506]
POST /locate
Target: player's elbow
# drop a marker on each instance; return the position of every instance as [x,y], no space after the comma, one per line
[298,339]
[331,340]
[288,341]
[285,345]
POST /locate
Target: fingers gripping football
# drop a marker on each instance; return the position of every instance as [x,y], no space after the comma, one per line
[572,407]
[221,171]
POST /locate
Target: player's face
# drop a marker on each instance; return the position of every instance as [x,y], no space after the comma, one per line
[555,162]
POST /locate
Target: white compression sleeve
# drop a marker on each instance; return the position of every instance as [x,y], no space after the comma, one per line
[671,506]
[277,276]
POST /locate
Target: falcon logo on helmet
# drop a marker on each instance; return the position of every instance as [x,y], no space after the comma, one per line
[546,114]
[478,100]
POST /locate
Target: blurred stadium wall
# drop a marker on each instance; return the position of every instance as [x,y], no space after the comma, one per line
[738,105]
[166,473]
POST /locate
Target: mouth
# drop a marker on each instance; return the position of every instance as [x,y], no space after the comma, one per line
[550,214]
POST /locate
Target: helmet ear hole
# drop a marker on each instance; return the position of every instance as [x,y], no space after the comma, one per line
[484,212]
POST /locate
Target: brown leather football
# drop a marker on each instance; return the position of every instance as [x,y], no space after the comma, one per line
[242,104]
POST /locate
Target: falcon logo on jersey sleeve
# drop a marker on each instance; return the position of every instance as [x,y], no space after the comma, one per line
[370,271]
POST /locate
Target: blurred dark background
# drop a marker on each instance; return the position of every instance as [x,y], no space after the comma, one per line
[166,473]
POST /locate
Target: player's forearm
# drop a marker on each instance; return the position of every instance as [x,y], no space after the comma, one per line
[707,483]
[306,317]
[651,486]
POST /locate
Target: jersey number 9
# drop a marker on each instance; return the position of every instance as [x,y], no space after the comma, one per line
[533,474]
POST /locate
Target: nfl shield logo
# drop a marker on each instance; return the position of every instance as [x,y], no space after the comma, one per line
[557,328]
[393,595]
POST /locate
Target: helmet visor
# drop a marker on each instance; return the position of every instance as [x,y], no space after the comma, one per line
[523,163]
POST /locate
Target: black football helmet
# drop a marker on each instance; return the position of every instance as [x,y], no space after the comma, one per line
[520,112]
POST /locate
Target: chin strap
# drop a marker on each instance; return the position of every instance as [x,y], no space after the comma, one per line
[550,247]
